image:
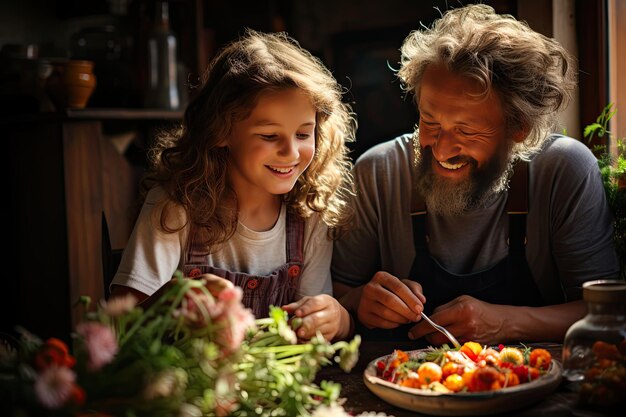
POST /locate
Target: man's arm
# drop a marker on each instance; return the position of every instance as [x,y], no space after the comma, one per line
[349,297]
[471,319]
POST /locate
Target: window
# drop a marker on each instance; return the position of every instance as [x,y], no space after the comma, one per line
[617,67]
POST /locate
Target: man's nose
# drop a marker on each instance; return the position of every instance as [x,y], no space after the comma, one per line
[446,146]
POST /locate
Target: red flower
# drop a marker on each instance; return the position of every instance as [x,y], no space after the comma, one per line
[77,396]
[53,352]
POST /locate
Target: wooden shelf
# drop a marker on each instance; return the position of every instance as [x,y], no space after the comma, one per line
[99,114]
[124,114]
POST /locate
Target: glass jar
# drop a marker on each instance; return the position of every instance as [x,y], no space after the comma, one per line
[162,67]
[594,350]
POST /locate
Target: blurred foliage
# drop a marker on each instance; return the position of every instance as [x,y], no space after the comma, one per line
[613,170]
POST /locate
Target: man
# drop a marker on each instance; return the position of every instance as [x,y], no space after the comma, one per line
[481,217]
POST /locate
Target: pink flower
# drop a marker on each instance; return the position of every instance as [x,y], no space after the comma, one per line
[198,308]
[231,295]
[235,319]
[100,343]
[118,306]
[54,386]
[227,312]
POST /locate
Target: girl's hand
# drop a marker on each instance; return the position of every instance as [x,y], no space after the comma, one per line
[214,284]
[320,313]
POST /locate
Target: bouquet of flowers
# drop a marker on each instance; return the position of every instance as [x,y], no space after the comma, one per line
[190,353]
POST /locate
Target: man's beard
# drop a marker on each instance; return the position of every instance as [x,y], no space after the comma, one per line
[449,198]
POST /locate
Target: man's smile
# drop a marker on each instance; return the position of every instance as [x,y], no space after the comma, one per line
[448,165]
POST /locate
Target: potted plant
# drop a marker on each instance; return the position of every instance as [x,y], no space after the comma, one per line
[613,170]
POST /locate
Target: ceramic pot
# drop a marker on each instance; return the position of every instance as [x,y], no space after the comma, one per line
[72,83]
[80,82]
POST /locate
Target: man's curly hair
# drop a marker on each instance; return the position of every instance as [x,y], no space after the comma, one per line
[532,74]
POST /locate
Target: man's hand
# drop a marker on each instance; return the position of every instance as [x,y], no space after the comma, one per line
[467,319]
[470,319]
[321,313]
[387,302]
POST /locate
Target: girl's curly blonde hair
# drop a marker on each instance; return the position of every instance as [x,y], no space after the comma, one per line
[191,166]
[533,74]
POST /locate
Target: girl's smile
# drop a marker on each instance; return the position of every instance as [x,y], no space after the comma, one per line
[282,171]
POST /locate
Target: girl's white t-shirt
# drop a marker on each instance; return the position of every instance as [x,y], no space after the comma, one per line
[152,256]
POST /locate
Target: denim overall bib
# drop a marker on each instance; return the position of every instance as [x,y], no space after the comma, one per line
[259,291]
[508,282]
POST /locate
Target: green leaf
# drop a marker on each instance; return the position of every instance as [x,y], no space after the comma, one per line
[591,129]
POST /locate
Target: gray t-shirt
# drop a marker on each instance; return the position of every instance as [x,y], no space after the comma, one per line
[569,224]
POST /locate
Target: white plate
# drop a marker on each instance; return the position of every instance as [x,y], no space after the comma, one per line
[466,403]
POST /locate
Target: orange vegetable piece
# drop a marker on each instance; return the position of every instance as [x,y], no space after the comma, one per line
[429,372]
[540,359]
[467,376]
[402,356]
[399,357]
[605,363]
[450,368]
[533,373]
[604,350]
[454,382]
[594,372]
[510,379]
[411,383]
[471,349]
[486,379]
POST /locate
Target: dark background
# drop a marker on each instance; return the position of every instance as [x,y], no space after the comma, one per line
[358,40]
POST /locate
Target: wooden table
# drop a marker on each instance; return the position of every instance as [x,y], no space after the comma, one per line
[360,399]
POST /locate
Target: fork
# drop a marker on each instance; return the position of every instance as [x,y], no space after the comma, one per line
[443,330]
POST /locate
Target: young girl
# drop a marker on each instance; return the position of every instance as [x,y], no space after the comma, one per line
[251,186]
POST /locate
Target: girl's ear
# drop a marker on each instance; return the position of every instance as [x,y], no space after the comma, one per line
[222,143]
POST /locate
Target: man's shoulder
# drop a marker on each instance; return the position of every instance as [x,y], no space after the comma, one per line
[563,153]
[395,150]
[559,146]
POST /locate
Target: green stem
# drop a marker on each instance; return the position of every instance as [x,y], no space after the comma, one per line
[178,289]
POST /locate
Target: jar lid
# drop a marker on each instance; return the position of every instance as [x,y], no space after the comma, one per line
[605,291]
